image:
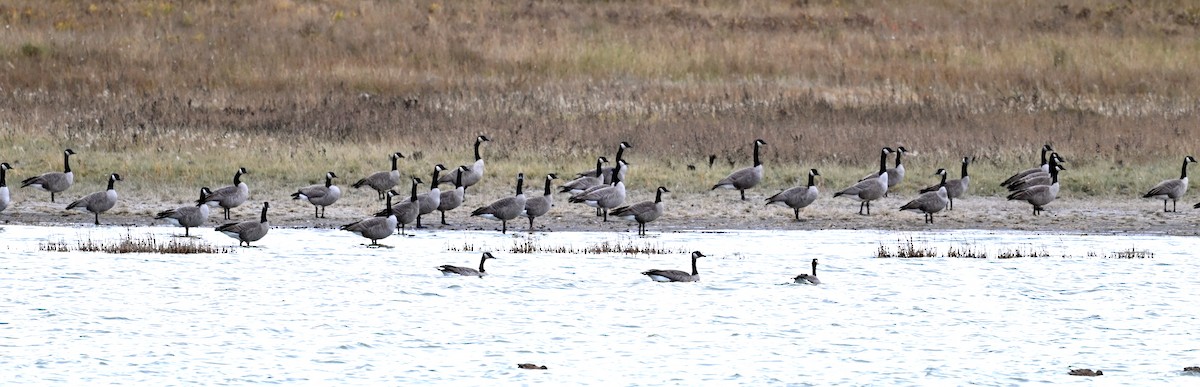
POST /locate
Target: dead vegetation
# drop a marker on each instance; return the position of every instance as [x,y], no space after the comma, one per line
[133,244]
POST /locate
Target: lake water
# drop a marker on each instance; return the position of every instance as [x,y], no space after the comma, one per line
[316,307]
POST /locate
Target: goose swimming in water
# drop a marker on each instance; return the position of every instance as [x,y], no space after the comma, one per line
[676,275]
[449,270]
[809,279]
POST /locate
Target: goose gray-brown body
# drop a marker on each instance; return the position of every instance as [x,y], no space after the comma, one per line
[604,198]
[605,173]
[1085,372]
[895,174]
[472,176]
[870,189]
[320,195]
[249,231]
[1041,195]
[231,196]
[1172,189]
[1036,178]
[450,270]
[505,209]
[809,278]
[1043,167]
[406,211]
[745,178]
[798,197]
[98,202]
[583,183]
[378,227]
[54,182]
[931,202]
[5,198]
[187,216]
[540,205]
[453,198]
[955,188]
[430,201]
[644,212]
[382,181]
[676,275]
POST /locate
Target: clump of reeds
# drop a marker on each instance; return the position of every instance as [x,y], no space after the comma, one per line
[906,249]
[131,244]
[965,251]
[1132,253]
[1018,252]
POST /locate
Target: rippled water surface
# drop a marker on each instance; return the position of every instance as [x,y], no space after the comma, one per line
[316,307]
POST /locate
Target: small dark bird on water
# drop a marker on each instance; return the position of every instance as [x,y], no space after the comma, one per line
[1086,372]
[530,366]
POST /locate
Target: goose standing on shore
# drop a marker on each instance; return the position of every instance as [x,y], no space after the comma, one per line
[930,202]
[1172,189]
[5,199]
[1041,195]
[474,175]
[745,178]
[320,196]
[406,212]
[644,212]
[54,182]
[895,174]
[798,197]
[582,183]
[676,275]
[187,216]
[450,270]
[378,227]
[954,188]
[810,279]
[230,196]
[382,181]
[431,200]
[453,198]
[540,205]
[1043,167]
[98,202]
[1035,178]
[604,198]
[605,173]
[248,231]
[870,189]
[505,209]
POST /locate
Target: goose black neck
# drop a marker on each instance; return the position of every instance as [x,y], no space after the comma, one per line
[898,154]
[388,209]
[814,264]
[1053,171]
[458,178]
[413,198]
[477,143]
[599,168]
[547,192]
[481,262]
[111,180]
[964,168]
[436,172]
[943,183]
[328,181]
[3,171]
[1183,175]
[694,271]
[1044,150]
[882,163]
[263,218]
[66,162]
[394,160]
[520,186]
[620,153]
[616,174]
[812,180]
[237,177]
[757,161]
[658,196]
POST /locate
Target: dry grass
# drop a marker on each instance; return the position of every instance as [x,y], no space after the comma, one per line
[529,244]
[131,244]
[178,94]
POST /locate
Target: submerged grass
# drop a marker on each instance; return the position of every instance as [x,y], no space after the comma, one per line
[911,249]
[530,244]
[132,244]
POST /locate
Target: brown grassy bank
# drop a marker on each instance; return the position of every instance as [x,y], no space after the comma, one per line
[180,93]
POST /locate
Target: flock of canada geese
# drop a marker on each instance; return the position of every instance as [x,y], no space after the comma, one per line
[602,188]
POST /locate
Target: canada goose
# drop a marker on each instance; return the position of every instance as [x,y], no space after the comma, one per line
[604,198]
[382,181]
[798,197]
[475,174]
[1035,178]
[895,175]
[809,279]
[431,200]
[870,189]
[539,205]
[676,275]
[453,198]
[931,202]
[1191,369]
[1043,167]
[406,212]
[376,228]
[1040,195]
[5,199]
[505,209]
[1171,189]
[582,183]
[98,202]
[745,178]
[644,212]
[1085,372]
[954,188]
[320,195]
[187,216]
[54,182]
[248,231]
[449,270]
[230,196]
[529,366]
[606,173]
